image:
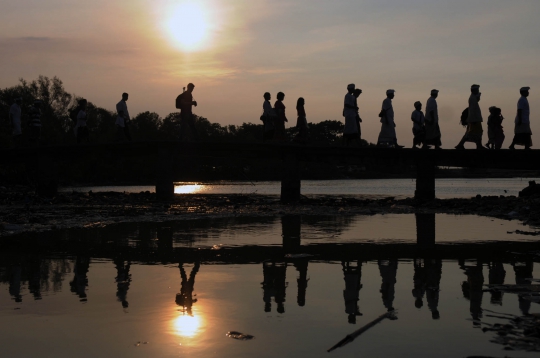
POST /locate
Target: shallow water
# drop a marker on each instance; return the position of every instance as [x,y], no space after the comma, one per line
[401,188]
[157,290]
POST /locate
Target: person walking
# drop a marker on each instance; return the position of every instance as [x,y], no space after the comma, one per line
[433,131]
[185,103]
[387,136]
[350,111]
[15,120]
[82,129]
[34,122]
[419,130]
[123,120]
[495,128]
[522,129]
[268,118]
[301,122]
[280,119]
[474,120]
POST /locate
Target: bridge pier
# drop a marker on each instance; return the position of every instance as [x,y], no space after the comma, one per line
[164,175]
[425,179]
[290,182]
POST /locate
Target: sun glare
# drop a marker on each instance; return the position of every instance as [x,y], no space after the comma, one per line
[187,326]
[188,189]
[188,26]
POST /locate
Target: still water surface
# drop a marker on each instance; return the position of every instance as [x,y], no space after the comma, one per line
[141,290]
[401,188]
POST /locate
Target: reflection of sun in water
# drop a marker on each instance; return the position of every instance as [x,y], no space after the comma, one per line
[187,326]
[188,26]
[187,189]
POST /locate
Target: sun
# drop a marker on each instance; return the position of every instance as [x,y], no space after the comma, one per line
[188,26]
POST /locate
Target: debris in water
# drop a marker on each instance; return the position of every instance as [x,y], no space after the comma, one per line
[217,247]
[239,336]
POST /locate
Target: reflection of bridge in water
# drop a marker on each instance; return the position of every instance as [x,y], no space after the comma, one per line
[28,263]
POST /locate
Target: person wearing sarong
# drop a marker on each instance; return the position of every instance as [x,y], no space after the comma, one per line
[301,122]
[280,119]
[387,136]
[268,118]
[495,128]
[522,129]
[433,131]
[474,121]
[418,130]
[350,131]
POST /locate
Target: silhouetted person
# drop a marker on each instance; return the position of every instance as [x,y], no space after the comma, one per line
[302,281]
[474,120]
[280,119]
[80,279]
[185,103]
[185,298]
[419,282]
[388,271]
[387,136]
[523,272]
[15,115]
[495,128]
[281,286]
[291,226]
[268,118]
[15,282]
[34,122]
[473,291]
[433,131]
[522,129]
[356,94]
[301,122]
[122,279]
[433,283]
[497,274]
[419,130]
[352,274]
[350,111]
[123,119]
[81,127]
[268,284]
[34,281]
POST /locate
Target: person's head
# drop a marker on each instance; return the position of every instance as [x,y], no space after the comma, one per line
[475,89]
[125,304]
[267,96]
[125,96]
[494,110]
[82,103]
[280,308]
[524,91]
[18,100]
[267,307]
[190,87]
[435,314]
[418,303]
[351,87]
[357,92]
[280,96]
[418,105]
[434,93]
[390,93]
[300,102]
[351,319]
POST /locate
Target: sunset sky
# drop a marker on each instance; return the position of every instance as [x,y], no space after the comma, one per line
[235,50]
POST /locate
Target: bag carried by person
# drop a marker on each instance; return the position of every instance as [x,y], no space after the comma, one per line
[464,116]
[179,100]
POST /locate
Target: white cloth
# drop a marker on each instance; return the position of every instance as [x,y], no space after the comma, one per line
[431,105]
[418,120]
[15,112]
[122,107]
[475,114]
[523,104]
[81,119]
[387,106]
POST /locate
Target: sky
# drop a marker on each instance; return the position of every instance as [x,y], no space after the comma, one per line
[235,50]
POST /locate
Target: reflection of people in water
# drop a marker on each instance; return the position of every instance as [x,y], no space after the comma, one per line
[34,281]
[15,283]
[123,280]
[420,282]
[185,297]
[274,285]
[433,282]
[388,271]
[291,230]
[80,279]
[497,274]
[302,268]
[523,272]
[473,290]
[352,276]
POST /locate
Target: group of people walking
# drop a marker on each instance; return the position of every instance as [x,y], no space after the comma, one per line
[274,119]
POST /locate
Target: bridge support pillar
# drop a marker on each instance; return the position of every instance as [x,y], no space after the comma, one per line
[164,173]
[425,230]
[425,179]
[290,182]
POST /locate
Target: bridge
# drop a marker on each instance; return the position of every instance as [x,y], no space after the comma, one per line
[169,159]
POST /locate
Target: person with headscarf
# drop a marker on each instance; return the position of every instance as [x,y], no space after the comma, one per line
[474,121]
[433,131]
[280,119]
[387,136]
[301,122]
[495,128]
[268,117]
[350,111]
[15,119]
[522,129]
[418,130]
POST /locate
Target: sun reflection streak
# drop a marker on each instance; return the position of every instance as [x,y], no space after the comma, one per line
[186,325]
[188,189]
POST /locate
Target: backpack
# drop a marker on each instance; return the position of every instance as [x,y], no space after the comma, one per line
[464,117]
[179,100]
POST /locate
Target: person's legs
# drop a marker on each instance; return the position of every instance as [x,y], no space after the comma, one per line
[127,133]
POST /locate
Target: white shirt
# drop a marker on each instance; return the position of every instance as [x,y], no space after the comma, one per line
[15,112]
[387,105]
[122,106]
[432,106]
[523,104]
[351,101]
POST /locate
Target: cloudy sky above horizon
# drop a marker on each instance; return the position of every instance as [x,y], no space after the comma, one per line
[235,50]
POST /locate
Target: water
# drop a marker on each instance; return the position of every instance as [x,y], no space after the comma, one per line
[400,188]
[176,289]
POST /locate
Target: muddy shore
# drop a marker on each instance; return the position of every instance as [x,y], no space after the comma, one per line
[23,212]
